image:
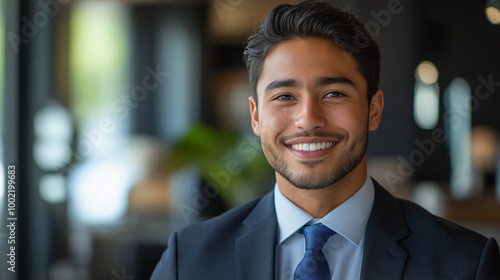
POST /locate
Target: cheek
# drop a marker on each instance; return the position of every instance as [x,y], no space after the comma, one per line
[274,122]
[351,119]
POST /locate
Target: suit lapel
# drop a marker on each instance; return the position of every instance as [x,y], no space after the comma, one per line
[255,249]
[383,257]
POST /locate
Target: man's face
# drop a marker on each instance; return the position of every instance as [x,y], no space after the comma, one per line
[313,115]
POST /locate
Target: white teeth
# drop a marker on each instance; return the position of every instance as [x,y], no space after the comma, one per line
[305,147]
[311,147]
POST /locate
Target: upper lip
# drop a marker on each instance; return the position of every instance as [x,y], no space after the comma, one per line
[310,140]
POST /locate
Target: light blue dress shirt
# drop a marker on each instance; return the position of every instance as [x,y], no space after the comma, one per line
[344,250]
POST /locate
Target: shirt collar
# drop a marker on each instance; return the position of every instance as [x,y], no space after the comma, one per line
[348,220]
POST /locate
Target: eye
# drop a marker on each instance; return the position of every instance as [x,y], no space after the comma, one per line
[335,94]
[284,97]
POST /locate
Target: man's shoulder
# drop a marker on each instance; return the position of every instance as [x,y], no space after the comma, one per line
[209,249]
[431,245]
[223,225]
[439,237]
[424,223]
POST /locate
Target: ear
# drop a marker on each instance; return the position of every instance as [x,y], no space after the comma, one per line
[254,116]
[376,107]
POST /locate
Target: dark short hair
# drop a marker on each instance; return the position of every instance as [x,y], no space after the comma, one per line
[315,19]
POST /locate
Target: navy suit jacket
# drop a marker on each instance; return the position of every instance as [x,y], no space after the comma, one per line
[402,241]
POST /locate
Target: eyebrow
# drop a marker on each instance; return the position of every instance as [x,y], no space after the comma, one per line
[282,83]
[321,81]
[324,81]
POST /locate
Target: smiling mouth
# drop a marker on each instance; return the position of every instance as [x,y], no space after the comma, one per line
[312,147]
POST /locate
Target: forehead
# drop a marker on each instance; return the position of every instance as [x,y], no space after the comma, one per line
[305,60]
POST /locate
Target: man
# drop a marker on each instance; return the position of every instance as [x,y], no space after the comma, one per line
[314,73]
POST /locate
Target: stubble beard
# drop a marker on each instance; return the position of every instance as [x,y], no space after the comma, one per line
[348,160]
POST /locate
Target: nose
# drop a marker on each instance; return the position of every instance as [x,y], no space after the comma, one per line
[310,115]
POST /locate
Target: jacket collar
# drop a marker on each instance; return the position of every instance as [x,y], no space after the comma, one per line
[383,257]
[255,248]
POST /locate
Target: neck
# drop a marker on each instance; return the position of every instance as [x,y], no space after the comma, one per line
[320,202]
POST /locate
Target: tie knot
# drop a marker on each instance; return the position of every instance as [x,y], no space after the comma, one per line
[316,236]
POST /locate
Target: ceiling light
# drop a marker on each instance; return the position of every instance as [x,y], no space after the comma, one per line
[493,11]
[427,72]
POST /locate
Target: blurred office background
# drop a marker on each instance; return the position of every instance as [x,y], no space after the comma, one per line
[128,119]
